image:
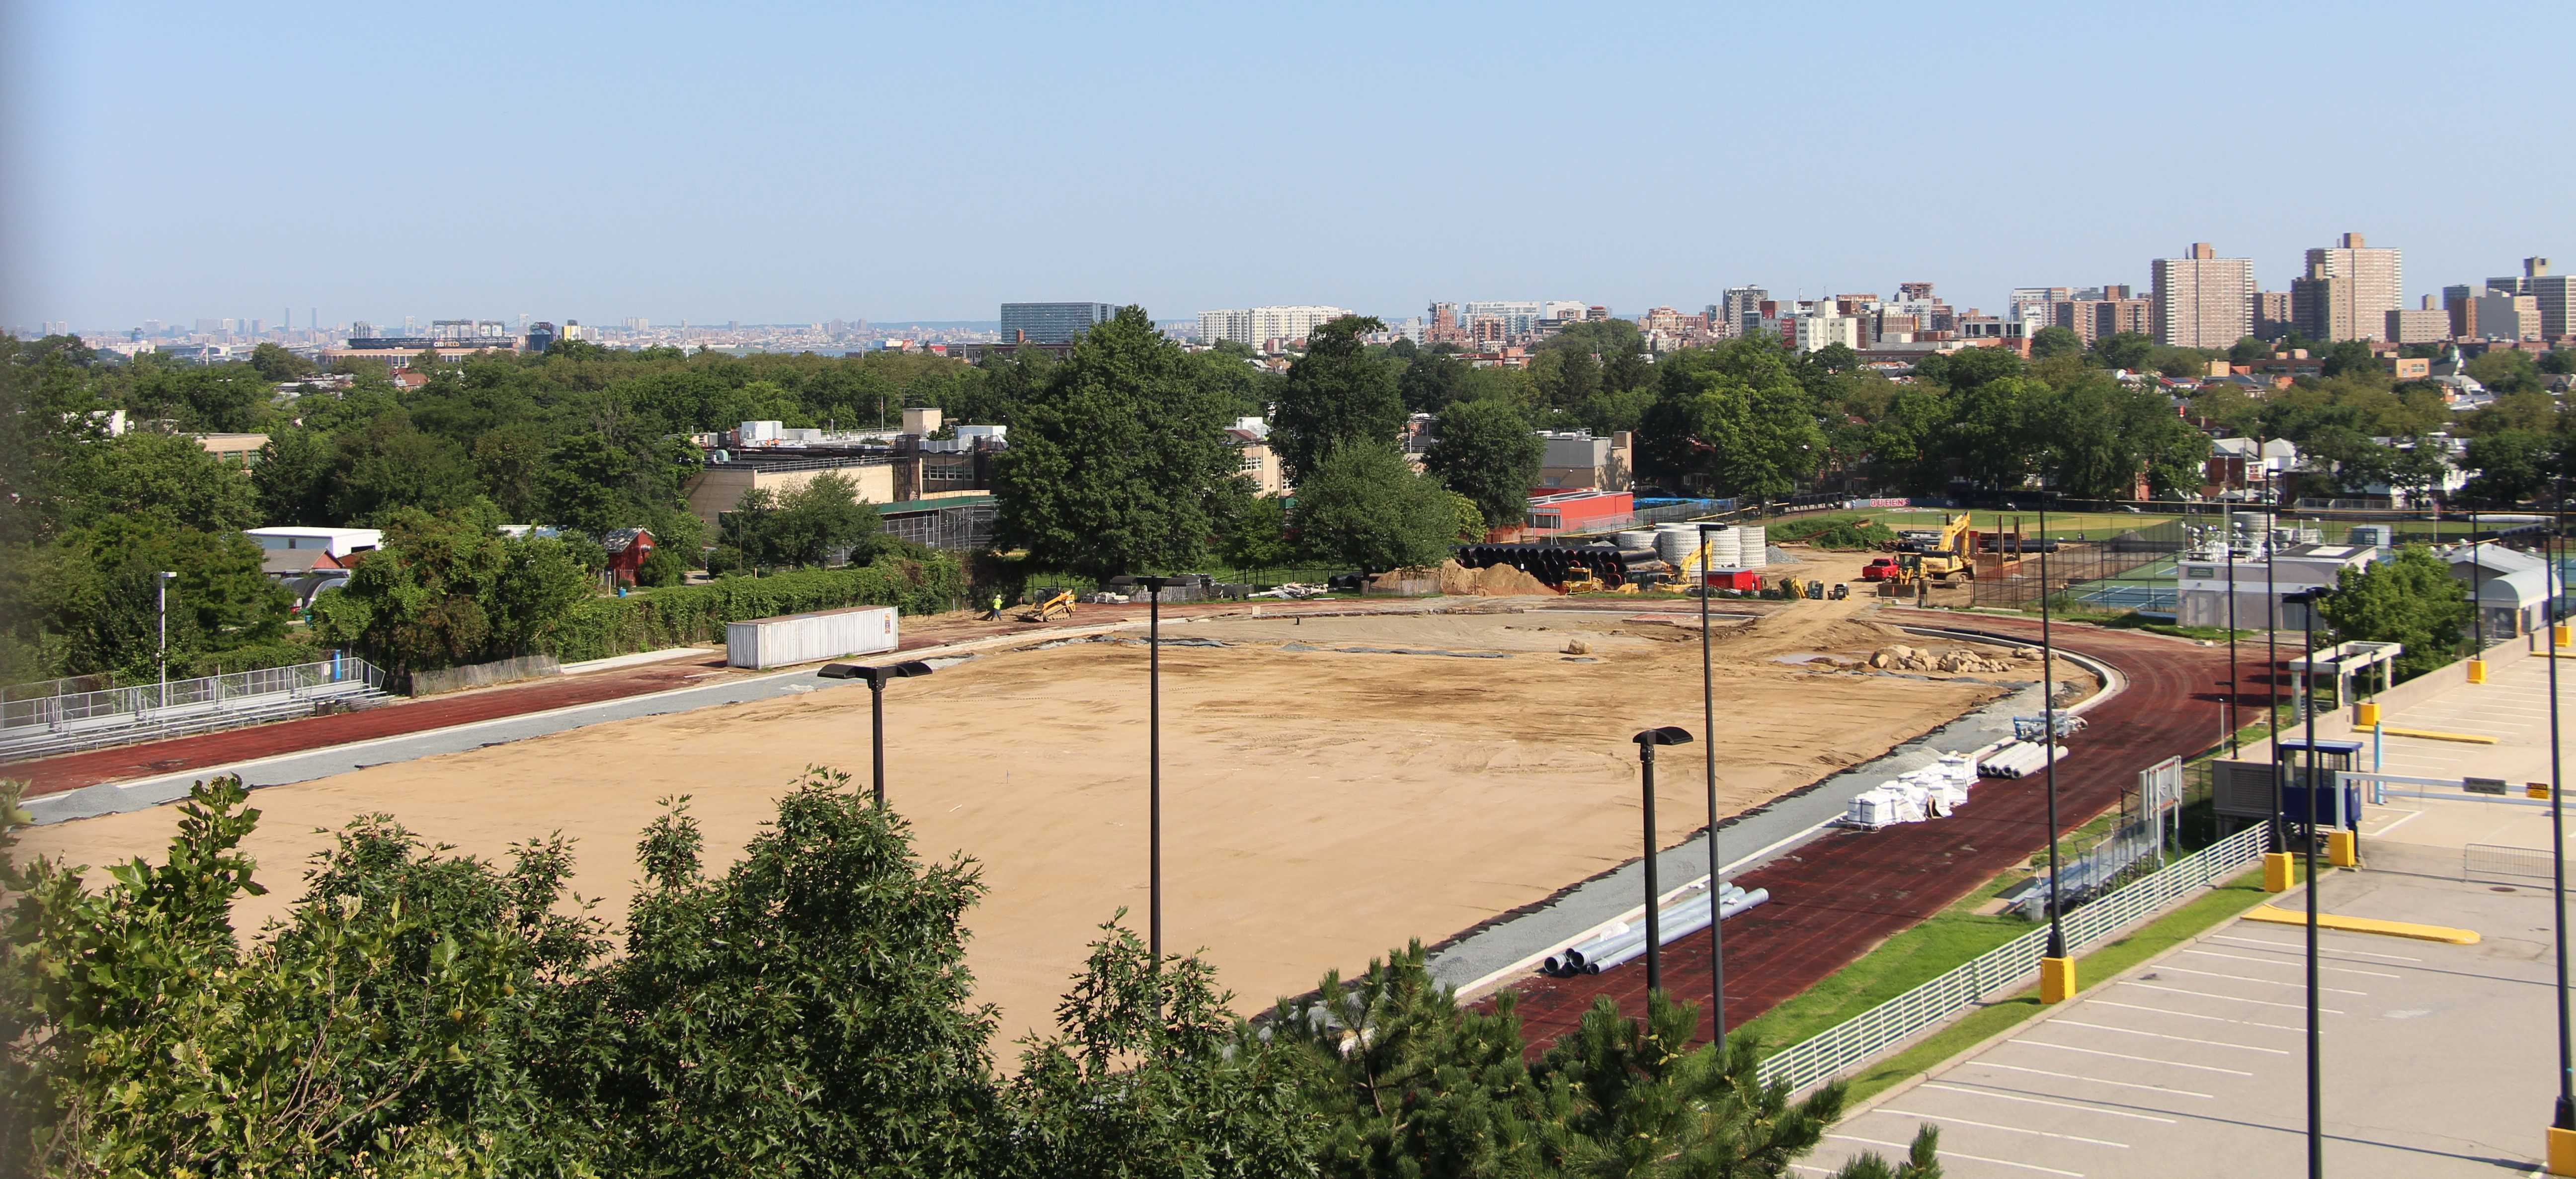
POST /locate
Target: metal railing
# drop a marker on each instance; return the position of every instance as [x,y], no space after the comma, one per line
[146,704]
[1865,1036]
[2486,861]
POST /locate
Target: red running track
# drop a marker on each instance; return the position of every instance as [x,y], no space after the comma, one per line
[1838,897]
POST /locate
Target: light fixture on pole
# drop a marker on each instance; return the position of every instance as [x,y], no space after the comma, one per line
[2056,968]
[1716,891]
[2227,537]
[163,660]
[1646,743]
[2276,863]
[876,676]
[2561,1155]
[1154,767]
[2309,781]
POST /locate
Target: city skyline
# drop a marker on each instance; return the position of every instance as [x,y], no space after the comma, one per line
[663,163]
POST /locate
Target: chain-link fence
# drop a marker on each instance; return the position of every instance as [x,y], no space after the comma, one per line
[2130,570]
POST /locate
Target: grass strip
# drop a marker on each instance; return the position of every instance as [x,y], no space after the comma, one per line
[2193,918]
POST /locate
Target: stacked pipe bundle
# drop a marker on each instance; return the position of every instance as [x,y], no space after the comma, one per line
[2017,759]
[1548,562]
[1627,942]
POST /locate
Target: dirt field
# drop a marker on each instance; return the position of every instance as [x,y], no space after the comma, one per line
[1320,804]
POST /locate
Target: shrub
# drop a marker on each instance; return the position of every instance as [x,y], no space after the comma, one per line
[676,616]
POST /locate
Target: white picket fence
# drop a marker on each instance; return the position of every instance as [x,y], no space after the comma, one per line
[1870,1034]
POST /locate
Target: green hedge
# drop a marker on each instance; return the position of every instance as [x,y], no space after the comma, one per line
[650,620]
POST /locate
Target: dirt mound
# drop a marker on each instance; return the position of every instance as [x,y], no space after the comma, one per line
[1492,581]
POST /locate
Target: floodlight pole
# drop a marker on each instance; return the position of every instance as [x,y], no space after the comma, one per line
[1654,891]
[2316,1074]
[1716,890]
[2048,733]
[2561,1155]
[2272,666]
[161,698]
[1154,768]
[876,677]
[2477,603]
[2227,538]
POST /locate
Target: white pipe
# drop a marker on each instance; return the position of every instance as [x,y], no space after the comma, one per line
[1631,953]
[1693,906]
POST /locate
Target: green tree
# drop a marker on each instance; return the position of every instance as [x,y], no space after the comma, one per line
[390,466]
[808,524]
[1430,380]
[2249,349]
[1993,436]
[1338,393]
[1365,507]
[2410,598]
[1255,534]
[587,484]
[2505,370]
[1486,452]
[2055,341]
[450,589]
[2103,436]
[2349,356]
[293,479]
[1122,462]
[1735,418]
[511,462]
[276,364]
[161,476]
[51,422]
[1968,368]
[1565,377]
[2512,466]
[1149,1077]
[2123,350]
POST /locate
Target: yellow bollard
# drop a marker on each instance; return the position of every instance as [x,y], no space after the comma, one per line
[2477,671]
[2558,635]
[2343,849]
[2366,715]
[2562,1151]
[2539,790]
[2056,980]
[2276,871]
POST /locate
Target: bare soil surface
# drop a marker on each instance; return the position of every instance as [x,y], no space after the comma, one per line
[1325,797]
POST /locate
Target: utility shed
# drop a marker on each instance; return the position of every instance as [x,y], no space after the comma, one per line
[810,638]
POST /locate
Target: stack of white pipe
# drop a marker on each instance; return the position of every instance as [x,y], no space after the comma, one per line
[1626,943]
[2017,760]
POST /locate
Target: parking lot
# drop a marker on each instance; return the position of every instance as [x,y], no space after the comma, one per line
[2439,1059]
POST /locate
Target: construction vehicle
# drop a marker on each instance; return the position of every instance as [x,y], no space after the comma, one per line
[1940,556]
[1582,580]
[1815,591]
[1052,603]
[1841,591]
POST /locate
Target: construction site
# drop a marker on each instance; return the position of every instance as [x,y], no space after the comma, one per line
[1339,777]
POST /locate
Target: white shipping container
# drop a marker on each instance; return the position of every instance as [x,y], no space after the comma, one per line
[808,638]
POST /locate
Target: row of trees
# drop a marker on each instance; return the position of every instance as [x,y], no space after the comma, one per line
[807,1011]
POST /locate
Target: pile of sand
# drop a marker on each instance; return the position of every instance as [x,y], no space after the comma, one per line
[1492,581]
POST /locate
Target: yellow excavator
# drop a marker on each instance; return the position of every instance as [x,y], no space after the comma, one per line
[1942,556]
[1581,580]
[1052,603]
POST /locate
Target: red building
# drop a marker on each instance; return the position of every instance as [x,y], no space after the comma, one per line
[627,548]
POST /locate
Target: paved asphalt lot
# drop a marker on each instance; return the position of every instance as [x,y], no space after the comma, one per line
[2438,1059]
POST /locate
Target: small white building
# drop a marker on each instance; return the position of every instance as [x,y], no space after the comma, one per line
[2202,583]
[339,542]
[2512,589]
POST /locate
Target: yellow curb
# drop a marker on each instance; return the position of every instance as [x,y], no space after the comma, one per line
[2421,933]
[2432,735]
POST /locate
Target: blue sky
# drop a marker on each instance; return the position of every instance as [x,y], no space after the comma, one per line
[768,162]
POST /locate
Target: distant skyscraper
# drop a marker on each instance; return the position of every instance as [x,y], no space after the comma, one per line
[2349,290]
[1255,326]
[2271,314]
[2202,300]
[1737,307]
[1051,323]
[2555,294]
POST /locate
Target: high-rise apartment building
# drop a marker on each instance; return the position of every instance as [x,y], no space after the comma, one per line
[2554,295]
[2349,290]
[2428,324]
[1734,309]
[2201,300]
[2271,314]
[1256,326]
[1051,323]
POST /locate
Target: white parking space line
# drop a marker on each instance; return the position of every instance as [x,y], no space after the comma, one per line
[2230,998]
[2104,1027]
[1946,1121]
[2297,948]
[2095,1080]
[2265,981]
[1952,1154]
[2283,962]
[2206,1068]
[2091,1109]
[2192,1015]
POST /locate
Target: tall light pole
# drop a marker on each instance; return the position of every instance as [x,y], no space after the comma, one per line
[1716,891]
[2562,1123]
[162,583]
[1646,743]
[1154,768]
[2056,970]
[2309,776]
[2477,603]
[2227,537]
[876,676]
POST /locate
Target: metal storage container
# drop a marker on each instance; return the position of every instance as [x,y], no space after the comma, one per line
[807,638]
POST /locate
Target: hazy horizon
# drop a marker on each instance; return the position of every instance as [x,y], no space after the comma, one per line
[912,166]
